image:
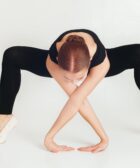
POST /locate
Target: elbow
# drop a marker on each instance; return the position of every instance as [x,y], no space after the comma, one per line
[107,62]
[108,66]
[107,69]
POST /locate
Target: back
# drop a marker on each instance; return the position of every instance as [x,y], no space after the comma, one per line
[99,55]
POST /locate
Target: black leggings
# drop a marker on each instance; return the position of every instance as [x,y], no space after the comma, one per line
[33,59]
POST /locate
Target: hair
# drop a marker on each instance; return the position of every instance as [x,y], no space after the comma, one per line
[74,54]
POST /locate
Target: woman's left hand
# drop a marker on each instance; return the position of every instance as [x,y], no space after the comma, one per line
[95,148]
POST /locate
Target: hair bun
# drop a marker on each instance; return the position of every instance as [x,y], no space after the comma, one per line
[75,38]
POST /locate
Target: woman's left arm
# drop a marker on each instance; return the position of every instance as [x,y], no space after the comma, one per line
[74,102]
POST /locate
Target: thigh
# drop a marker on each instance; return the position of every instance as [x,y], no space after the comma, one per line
[121,58]
[29,58]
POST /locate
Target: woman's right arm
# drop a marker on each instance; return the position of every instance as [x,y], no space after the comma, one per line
[85,110]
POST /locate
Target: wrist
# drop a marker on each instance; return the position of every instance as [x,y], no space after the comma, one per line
[49,137]
[105,139]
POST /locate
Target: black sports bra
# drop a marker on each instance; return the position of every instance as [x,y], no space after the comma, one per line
[96,59]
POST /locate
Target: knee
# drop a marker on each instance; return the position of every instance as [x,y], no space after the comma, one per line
[137,49]
[137,76]
[136,55]
[10,54]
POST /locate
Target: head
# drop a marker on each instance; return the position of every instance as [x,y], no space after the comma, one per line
[74,58]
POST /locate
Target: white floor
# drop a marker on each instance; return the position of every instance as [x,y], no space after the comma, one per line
[116,103]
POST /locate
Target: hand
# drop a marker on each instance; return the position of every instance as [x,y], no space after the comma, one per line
[53,147]
[95,148]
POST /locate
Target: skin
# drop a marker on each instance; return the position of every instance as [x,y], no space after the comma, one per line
[3,120]
[77,102]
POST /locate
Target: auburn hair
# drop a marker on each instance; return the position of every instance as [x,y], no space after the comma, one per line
[74,54]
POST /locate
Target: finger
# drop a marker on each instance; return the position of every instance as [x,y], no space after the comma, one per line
[93,148]
[88,148]
[85,149]
[69,148]
[97,150]
[64,147]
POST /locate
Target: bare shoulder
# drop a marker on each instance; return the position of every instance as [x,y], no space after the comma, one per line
[52,67]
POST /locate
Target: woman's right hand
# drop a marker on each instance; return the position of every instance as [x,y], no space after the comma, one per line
[53,147]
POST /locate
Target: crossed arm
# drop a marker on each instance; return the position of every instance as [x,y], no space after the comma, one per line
[78,100]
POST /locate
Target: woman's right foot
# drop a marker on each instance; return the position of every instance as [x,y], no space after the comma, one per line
[4,120]
[8,123]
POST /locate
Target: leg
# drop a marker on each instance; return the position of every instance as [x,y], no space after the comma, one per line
[14,59]
[125,57]
[137,76]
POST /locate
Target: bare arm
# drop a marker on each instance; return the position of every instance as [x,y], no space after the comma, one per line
[85,109]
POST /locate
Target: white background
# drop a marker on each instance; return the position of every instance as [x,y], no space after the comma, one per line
[39,101]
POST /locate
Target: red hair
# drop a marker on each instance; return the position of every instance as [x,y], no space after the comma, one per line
[74,54]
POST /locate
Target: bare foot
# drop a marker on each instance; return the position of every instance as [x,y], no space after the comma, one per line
[4,120]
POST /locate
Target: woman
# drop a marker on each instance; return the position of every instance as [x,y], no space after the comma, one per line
[78,61]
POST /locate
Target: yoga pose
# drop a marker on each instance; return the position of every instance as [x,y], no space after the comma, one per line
[78,61]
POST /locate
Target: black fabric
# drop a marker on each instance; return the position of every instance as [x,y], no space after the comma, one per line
[99,55]
[33,59]
[15,59]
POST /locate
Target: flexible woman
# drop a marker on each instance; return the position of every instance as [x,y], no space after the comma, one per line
[78,61]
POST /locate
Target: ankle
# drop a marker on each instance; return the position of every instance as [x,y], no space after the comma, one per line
[5,116]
